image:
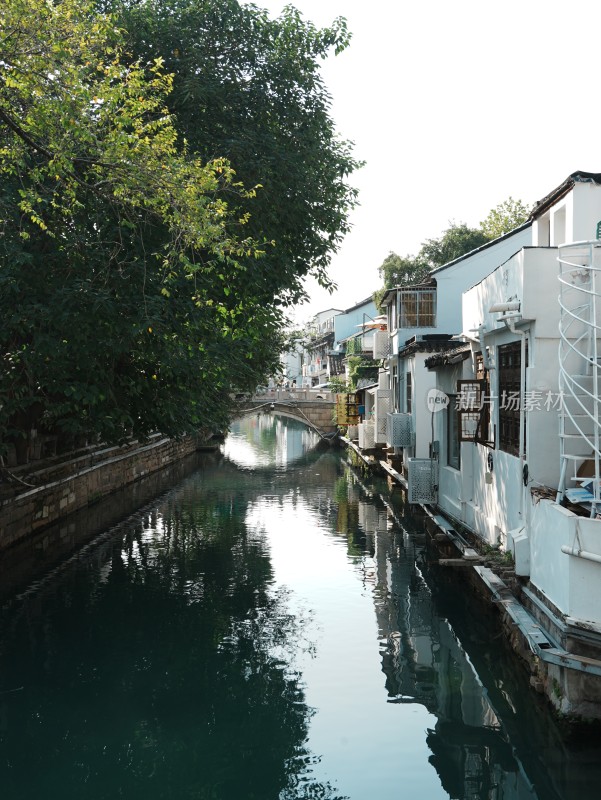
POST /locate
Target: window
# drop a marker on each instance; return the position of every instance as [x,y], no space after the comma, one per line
[392,315]
[484,433]
[453,445]
[400,398]
[469,403]
[509,397]
[418,308]
[408,399]
[473,407]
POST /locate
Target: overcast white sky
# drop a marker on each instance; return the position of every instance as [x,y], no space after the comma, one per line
[454,106]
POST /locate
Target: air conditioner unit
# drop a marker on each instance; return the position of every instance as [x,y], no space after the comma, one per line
[366,435]
[399,430]
[352,432]
[422,480]
[381,344]
[382,402]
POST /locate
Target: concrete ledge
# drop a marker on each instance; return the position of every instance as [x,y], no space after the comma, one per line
[572,683]
[394,474]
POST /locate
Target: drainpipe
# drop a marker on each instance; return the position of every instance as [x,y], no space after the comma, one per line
[573,551]
[510,323]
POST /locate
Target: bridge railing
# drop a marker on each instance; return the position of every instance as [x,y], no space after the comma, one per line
[271,395]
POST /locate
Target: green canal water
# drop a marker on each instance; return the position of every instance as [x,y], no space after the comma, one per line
[270,627]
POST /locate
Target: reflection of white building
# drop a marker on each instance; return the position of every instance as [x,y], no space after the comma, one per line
[424,662]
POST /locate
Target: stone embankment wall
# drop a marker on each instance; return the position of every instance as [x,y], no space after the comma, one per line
[69,486]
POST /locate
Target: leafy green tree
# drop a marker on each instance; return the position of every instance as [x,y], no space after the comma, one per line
[505,217]
[134,293]
[456,241]
[248,88]
[398,271]
[91,178]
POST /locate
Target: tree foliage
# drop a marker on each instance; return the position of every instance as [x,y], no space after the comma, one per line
[457,240]
[505,217]
[135,291]
[408,270]
[249,88]
[396,270]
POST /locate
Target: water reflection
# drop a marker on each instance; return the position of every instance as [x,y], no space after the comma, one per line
[274,634]
[424,662]
[441,648]
[161,666]
[266,439]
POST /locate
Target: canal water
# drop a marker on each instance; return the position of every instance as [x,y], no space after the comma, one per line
[269,628]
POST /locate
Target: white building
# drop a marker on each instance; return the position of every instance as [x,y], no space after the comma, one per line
[511,459]
[318,346]
[422,320]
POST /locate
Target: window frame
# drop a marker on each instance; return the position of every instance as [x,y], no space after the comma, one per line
[453,429]
[469,402]
[509,358]
[423,313]
[483,433]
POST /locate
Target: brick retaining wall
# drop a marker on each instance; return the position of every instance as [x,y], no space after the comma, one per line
[83,483]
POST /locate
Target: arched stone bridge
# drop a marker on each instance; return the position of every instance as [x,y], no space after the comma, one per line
[316,410]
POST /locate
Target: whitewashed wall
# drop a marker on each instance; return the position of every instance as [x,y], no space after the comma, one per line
[348,323]
[456,279]
[451,492]
[574,218]
[492,501]
[571,583]
[423,382]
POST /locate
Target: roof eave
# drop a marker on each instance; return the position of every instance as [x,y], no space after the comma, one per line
[560,191]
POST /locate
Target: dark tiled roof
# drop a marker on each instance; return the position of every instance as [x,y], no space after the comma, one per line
[426,344]
[449,356]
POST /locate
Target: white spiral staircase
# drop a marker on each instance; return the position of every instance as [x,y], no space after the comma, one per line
[579,366]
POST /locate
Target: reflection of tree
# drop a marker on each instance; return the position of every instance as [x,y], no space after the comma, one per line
[162,671]
[163,665]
